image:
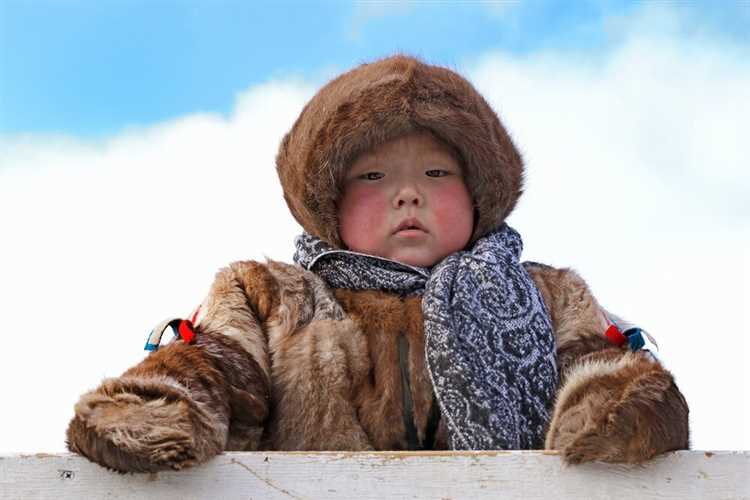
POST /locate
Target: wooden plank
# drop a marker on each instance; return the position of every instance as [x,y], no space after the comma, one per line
[433,475]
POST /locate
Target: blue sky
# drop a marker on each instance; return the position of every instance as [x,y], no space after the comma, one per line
[91,69]
[128,125]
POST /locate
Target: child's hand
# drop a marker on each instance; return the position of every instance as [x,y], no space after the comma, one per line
[622,407]
[136,425]
[180,406]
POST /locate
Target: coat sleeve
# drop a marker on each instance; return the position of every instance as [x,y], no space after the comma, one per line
[612,404]
[185,403]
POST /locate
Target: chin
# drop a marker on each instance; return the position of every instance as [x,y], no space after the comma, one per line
[418,261]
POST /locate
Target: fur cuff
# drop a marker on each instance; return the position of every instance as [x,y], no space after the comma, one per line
[138,424]
[618,406]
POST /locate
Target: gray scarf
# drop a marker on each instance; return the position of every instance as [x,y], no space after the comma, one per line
[489,344]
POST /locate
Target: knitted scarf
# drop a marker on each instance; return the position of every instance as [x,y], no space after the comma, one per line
[488,337]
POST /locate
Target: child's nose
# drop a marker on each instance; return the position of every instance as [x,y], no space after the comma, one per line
[408,195]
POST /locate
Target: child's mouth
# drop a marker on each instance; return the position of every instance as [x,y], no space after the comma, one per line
[410,226]
[410,232]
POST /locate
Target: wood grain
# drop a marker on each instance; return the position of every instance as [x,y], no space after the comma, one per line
[379,475]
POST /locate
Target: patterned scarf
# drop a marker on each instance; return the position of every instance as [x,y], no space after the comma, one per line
[488,337]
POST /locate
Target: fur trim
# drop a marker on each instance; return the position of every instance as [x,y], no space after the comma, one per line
[145,424]
[618,407]
[377,102]
[581,375]
[180,406]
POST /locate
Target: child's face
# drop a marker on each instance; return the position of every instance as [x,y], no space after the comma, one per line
[413,180]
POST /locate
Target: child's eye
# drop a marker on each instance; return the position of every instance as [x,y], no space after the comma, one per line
[436,173]
[372,176]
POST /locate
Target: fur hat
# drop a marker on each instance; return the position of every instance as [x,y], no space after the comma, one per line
[377,102]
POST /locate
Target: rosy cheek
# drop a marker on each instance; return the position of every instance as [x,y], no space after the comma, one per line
[361,215]
[454,212]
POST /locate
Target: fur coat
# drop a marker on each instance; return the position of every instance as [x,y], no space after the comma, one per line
[282,362]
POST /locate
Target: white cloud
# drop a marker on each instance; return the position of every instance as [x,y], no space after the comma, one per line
[102,240]
[636,177]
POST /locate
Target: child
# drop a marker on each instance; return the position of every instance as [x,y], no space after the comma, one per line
[408,323]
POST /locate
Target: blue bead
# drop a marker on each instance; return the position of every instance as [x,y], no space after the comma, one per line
[635,338]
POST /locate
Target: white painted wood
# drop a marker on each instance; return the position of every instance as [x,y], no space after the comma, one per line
[381,475]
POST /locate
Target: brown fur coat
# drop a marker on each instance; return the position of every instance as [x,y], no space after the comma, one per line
[280,362]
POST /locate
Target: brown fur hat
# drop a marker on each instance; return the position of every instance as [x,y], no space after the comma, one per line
[377,102]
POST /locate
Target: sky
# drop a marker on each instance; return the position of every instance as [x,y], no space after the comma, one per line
[137,145]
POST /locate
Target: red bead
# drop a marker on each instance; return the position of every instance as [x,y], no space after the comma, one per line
[614,336]
[186,331]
